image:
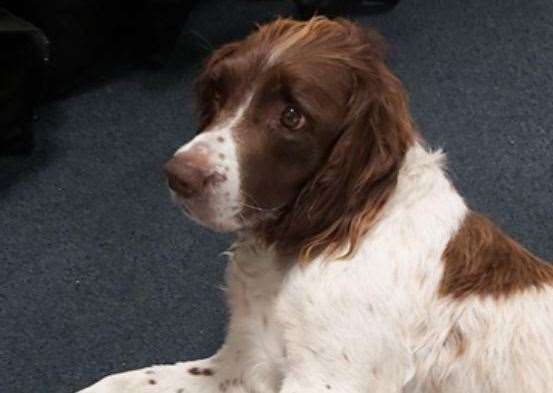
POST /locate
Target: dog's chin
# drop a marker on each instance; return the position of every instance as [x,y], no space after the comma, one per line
[207,216]
[216,226]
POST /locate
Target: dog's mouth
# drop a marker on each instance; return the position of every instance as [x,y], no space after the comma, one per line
[205,212]
[184,204]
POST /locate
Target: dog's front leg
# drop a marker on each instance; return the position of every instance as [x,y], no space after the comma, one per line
[223,373]
[249,361]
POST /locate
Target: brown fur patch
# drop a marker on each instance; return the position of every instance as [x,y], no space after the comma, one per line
[481,260]
[195,371]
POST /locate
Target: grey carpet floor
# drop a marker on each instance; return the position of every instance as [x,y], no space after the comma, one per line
[100,273]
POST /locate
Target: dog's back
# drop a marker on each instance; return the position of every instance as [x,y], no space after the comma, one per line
[499,315]
[492,345]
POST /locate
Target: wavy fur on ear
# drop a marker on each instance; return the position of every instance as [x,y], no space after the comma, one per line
[341,202]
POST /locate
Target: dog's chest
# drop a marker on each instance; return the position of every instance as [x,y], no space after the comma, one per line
[254,277]
[254,281]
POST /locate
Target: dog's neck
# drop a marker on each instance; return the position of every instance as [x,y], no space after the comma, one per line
[421,177]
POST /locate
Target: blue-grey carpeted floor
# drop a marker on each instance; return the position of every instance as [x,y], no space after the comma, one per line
[100,273]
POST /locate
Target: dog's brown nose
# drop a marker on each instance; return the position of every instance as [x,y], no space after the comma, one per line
[186,174]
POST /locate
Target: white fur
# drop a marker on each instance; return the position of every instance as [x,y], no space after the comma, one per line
[373,323]
[218,209]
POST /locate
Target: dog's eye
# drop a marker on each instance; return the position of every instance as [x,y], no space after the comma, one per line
[291,118]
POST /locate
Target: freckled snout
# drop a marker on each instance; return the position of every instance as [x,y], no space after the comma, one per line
[204,180]
[188,174]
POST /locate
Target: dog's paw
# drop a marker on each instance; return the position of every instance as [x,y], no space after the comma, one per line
[200,376]
[156,379]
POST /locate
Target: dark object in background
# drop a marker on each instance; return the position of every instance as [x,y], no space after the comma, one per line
[23,59]
[80,37]
[87,36]
[308,8]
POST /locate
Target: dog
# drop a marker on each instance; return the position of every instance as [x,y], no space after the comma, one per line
[357,267]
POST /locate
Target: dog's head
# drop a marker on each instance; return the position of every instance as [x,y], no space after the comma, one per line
[302,132]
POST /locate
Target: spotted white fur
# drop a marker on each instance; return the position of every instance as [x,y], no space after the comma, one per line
[220,208]
[373,323]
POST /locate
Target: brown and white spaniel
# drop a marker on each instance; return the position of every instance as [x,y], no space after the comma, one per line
[358,267]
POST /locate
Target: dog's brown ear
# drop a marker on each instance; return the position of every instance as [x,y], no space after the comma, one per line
[344,198]
[206,83]
[370,41]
